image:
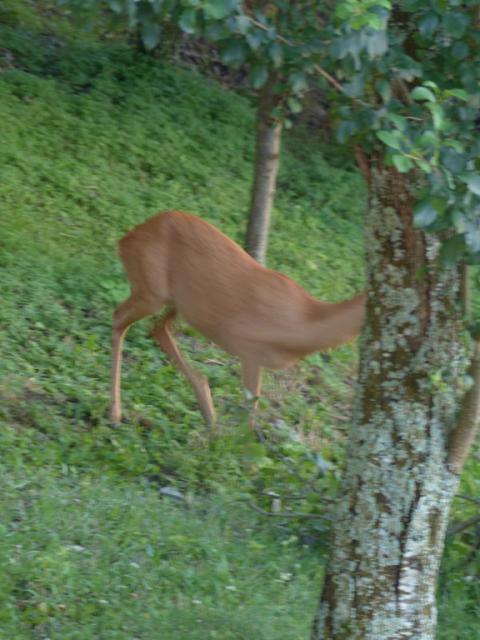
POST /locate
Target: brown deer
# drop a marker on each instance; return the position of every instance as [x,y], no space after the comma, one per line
[182,264]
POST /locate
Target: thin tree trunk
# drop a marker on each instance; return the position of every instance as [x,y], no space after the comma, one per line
[463,436]
[390,526]
[267,157]
[465,296]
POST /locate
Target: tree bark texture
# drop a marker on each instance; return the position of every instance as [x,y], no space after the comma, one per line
[390,526]
[267,159]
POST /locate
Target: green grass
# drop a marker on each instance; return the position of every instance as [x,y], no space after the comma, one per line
[95,138]
[101,558]
[79,169]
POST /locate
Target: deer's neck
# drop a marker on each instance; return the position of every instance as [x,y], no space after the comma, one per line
[331,325]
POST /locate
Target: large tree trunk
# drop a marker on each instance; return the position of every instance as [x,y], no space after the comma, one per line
[267,158]
[400,478]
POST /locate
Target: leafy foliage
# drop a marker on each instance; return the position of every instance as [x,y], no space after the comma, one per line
[459,584]
[420,98]
[281,40]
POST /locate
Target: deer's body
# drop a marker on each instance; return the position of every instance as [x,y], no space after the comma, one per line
[179,261]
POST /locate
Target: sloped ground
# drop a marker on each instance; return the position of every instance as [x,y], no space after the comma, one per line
[146,530]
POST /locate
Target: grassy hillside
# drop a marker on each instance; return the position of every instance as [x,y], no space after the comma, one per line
[95,140]
[81,165]
[147,530]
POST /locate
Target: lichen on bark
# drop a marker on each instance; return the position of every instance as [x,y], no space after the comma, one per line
[391,520]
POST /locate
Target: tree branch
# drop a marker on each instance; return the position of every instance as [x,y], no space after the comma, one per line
[329,78]
[289,43]
[400,91]
[288,514]
[462,437]
[469,498]
[363,162]
[461,526]
[465,290]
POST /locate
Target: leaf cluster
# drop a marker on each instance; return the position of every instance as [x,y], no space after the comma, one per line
[281,40]
[411,73]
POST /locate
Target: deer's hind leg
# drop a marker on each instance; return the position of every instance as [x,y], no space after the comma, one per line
[163,337]
[252,383]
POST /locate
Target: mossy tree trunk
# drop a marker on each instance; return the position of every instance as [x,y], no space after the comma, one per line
[267,159]
[402,466]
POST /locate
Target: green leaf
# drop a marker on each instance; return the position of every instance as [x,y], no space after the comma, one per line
[422,93]
[399,121]
[384,89]
[351,43]
[452,250]
[298,82]
[294,105]
[188,21]
[234,53]
[356,87]
[377,44]
[217,9]
[242,24]
[427,139]
[437,114]
[473,182]
[423,164]
[376,22]
[345,130]
[338,50]
[255,39]
[424,213]
[428,24]
[258,76]
[458,219]
[390,138]
[132,12]
[151,33]
[342,11]
[115,5]
[455,23]
[472,236]
[453,161]
[218,30]
[276,53]
[460,50]
[457,93]
[402,163]
[455,144]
